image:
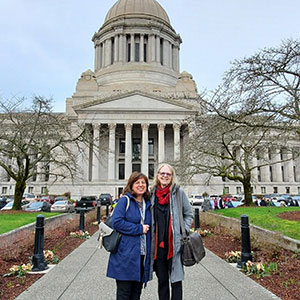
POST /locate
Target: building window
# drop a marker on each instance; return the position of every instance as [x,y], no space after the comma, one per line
[275,189]
[145,53]
[294,171]
[258,174]
[43,190]
[122,146]
[271,174]
[161,51]
[287,189]
[137,52]
[151,147]
[263,189]
[112,57]
[151,171]
[282,173]
[238,190]
[128,49]
[226,190]
[4,190]
[47,172]
[30,189]
[121,171]
[120,190]
[136,167]
[136,149]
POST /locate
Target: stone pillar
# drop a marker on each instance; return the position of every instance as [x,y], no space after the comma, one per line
[265,170]
[116,50]
[176,130]
[128,150]
[142,48]
[103,55]
[121,48]
[277,175]
[158,49]
[161,142]
[166,55]
[96,152]
[145,152]
[96,58]
[132,47]
[108,49]
[152,48]
[289,168]
[254,172]
[176,58]
[112,150]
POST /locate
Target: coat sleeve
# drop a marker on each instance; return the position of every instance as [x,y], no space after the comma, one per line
[187,211]
[119,221]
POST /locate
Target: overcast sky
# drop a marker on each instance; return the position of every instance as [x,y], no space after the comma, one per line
[46,44]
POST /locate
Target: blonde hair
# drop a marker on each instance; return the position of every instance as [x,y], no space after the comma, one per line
[156,181]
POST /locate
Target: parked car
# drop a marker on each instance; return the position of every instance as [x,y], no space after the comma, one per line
[50,199]
[3,202]
[196,199]
[60,198]
[63,206]
[88,202]
[105,199]
[39,206]
[29,197]
[9,205]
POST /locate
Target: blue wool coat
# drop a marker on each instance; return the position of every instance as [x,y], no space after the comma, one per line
[126,263]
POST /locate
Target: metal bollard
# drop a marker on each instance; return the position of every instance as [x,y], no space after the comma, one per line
[197,222]
[38,259]
[98,213]
[107,210]
[246,247]
[81,220]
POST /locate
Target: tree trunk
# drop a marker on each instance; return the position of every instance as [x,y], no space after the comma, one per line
[247,191]
[19,191]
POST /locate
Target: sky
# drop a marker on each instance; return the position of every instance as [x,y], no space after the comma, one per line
[46,44]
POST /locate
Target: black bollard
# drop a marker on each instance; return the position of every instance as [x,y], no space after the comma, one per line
[81,220]
[98,213]
[197,225]
[107,210]
[38,259]
[246,247]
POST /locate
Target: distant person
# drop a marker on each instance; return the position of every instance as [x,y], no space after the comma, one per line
[263,202]
[216,203]
[130,265]
[221,203]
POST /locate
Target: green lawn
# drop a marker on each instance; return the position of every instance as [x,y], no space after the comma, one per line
[10,221]
[266,217]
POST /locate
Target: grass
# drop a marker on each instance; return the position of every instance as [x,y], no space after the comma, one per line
[266,217]
[10,221]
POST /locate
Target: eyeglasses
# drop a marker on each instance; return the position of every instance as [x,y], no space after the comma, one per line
[165,174]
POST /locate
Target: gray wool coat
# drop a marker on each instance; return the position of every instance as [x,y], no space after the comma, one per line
[177,272]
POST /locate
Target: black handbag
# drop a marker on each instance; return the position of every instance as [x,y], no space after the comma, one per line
[108,237]
[192,249]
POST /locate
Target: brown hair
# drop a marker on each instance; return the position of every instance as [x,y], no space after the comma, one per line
[135,176]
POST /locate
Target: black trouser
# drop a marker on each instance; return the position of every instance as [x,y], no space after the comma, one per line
[130,290]
[162,273]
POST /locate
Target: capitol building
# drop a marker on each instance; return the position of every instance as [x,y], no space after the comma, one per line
[136,102]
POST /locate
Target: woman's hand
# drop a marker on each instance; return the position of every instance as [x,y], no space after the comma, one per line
[145,228]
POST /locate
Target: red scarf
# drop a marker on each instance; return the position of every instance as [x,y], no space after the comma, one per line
[163,196]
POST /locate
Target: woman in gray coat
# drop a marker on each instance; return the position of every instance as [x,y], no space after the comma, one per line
[166,236]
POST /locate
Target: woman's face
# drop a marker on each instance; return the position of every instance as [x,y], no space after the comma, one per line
[139,187]
[164,176]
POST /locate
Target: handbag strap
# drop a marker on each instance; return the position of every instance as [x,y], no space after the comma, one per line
[127,206]
[179,205]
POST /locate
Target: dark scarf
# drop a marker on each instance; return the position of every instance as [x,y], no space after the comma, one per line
[163,233]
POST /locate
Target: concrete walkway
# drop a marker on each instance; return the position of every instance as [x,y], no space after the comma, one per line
[81,275]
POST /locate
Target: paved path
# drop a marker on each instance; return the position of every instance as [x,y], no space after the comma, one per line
[81,275]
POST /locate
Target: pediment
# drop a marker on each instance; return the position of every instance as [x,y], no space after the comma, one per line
[134,102]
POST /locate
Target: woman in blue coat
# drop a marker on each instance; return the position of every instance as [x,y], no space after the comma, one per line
[130,265]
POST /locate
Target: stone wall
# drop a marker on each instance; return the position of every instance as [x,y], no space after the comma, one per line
[257,234]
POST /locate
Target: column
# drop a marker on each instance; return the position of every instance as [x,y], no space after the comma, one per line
[132,47]
[96,58]
[128,150]
[254,171]
[176,58]
[108,52]
[112,150]
[176,130]
[157,49]
[142,48]
[40,172]
[96,152]
[103,55]
[116,50]
[121,48]
[289,168]
[166,55]
[145,153]
[170,56]
[152,48]
[161,142]
[276,167]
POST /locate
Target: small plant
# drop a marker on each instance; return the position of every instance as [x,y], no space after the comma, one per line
[80,234]
[19,271]
[296,255]
[202,232]
[257,269]
[233,256]
[50,257]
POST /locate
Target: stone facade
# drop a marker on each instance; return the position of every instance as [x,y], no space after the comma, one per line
[135,103]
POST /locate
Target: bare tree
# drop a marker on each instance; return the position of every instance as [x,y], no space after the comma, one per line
[35,141]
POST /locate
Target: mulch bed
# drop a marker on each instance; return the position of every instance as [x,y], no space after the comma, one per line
[285,283]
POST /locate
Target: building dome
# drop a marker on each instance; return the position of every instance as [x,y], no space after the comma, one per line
[137,7]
